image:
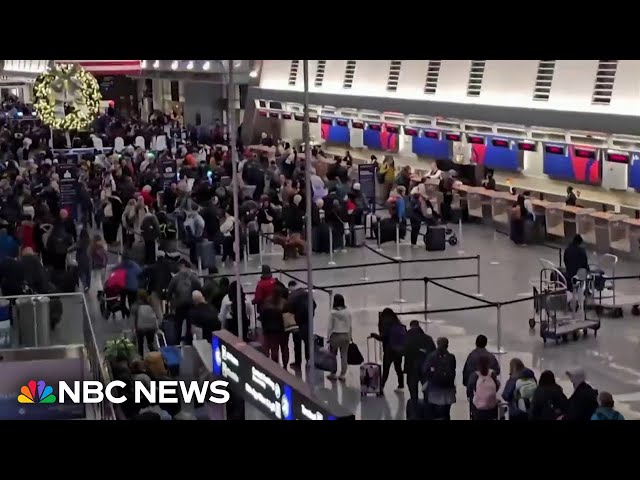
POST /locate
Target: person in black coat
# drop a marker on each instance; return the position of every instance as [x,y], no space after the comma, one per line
[584,400]
[575,258]
[419,345]
[204,315]
[549,401]
[298,304]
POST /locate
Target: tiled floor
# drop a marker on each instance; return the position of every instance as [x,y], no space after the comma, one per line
[612,360]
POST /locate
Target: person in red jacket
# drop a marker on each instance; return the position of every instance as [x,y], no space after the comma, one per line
[265,287]
[148,197]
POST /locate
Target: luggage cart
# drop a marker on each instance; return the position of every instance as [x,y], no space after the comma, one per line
[611,303]
[555,310]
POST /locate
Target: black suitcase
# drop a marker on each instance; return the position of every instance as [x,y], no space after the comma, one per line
[254,243]
[387,230]
[434,239]
[419,413]
[321,238]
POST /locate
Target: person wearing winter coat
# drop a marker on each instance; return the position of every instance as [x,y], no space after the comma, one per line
[482,388]
[440,372]
[274,338]
[194,226]
[419,346]
[35,276]
[513,393]
[180,295]
[132,283]
[339,334]
[145,321]
[99,262]
[387,320]
[204,315]
[605,411]
[584,400]
[470,365]
[549,401]
[150,229]
[264,288]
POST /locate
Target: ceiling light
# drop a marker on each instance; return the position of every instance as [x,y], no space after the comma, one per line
[143,64]
[190,65]
[206,65]
[156,64]
[253,73]
[174,65]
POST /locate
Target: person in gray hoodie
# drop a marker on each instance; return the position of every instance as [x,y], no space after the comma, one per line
[145,322]
[339,334]
[179,292]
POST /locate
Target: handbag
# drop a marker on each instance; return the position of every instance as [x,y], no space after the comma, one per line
[289,321]
[325,360]
[354,356]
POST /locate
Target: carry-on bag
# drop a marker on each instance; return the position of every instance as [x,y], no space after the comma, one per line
[434,239]
[358,235]
[171,354]
[325,360]
[371,370]
[354,357]
[370,225]
[170,330]
[206,253]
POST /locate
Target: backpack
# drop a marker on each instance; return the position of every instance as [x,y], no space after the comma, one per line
[442,376]
[398,338]
[58,241]
[524,395]
[117,281]
[485,396]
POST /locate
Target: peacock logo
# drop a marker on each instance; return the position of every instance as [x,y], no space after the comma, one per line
[36,392]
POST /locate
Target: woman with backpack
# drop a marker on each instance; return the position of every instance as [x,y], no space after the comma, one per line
[440,373]
[549,401]
[482,391]
[145,322]
[392,334]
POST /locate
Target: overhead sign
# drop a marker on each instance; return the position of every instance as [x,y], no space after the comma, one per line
[258,380]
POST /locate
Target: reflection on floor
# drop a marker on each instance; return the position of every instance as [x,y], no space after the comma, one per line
[612,360]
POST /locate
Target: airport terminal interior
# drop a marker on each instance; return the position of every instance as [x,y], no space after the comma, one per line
[513,158]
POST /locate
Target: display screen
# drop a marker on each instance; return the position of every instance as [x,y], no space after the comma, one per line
[585,153]
[554,149]
[262,104]
[412,132]
[431,134]
[374,126]
[392,128]
[475,139]
[286,116]
[327,121]
[299,117]
[500,142]
[526,146]
[261,388]
[274,115]
[452,137]
[262,113]
[618,157]
[313,119]
[357,124]
[342,123]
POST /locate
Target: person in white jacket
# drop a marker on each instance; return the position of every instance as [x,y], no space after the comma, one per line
[227,223]
[339,334]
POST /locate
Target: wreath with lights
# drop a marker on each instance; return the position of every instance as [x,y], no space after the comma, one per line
[67,97]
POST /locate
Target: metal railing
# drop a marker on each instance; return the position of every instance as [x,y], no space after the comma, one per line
[97,366]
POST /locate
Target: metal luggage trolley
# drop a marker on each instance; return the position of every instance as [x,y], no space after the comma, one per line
[610,303]
[557,316]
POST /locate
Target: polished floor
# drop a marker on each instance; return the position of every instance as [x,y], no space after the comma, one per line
[612,360]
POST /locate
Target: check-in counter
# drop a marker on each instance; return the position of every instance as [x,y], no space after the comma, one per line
[501,204]
[631,231]
[619,229]
[565,221]
[476,198]
[605,228]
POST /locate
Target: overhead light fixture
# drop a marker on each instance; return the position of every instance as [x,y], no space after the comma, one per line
[174,65]
[253,73]
[143,64]
[156,64]
[190,65]
[206,65]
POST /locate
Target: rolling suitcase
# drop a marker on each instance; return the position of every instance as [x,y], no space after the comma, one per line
[358,235]
[387,230]
[434,239]
[370,222]
[170,331]
[254,243]
[371,371]
[171,354]
[321,238]
[206,253]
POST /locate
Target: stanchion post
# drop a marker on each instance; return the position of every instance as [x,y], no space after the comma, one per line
[400,298]
[478,273]
[499,328]
[260,240]
[426,300]
[364,276]
[460,242]
[398,257]
[331,262]
[379,249]
[246,283]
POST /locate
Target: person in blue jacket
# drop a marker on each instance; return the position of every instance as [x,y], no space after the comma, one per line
[605,411]
[132,283]
[8,245]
